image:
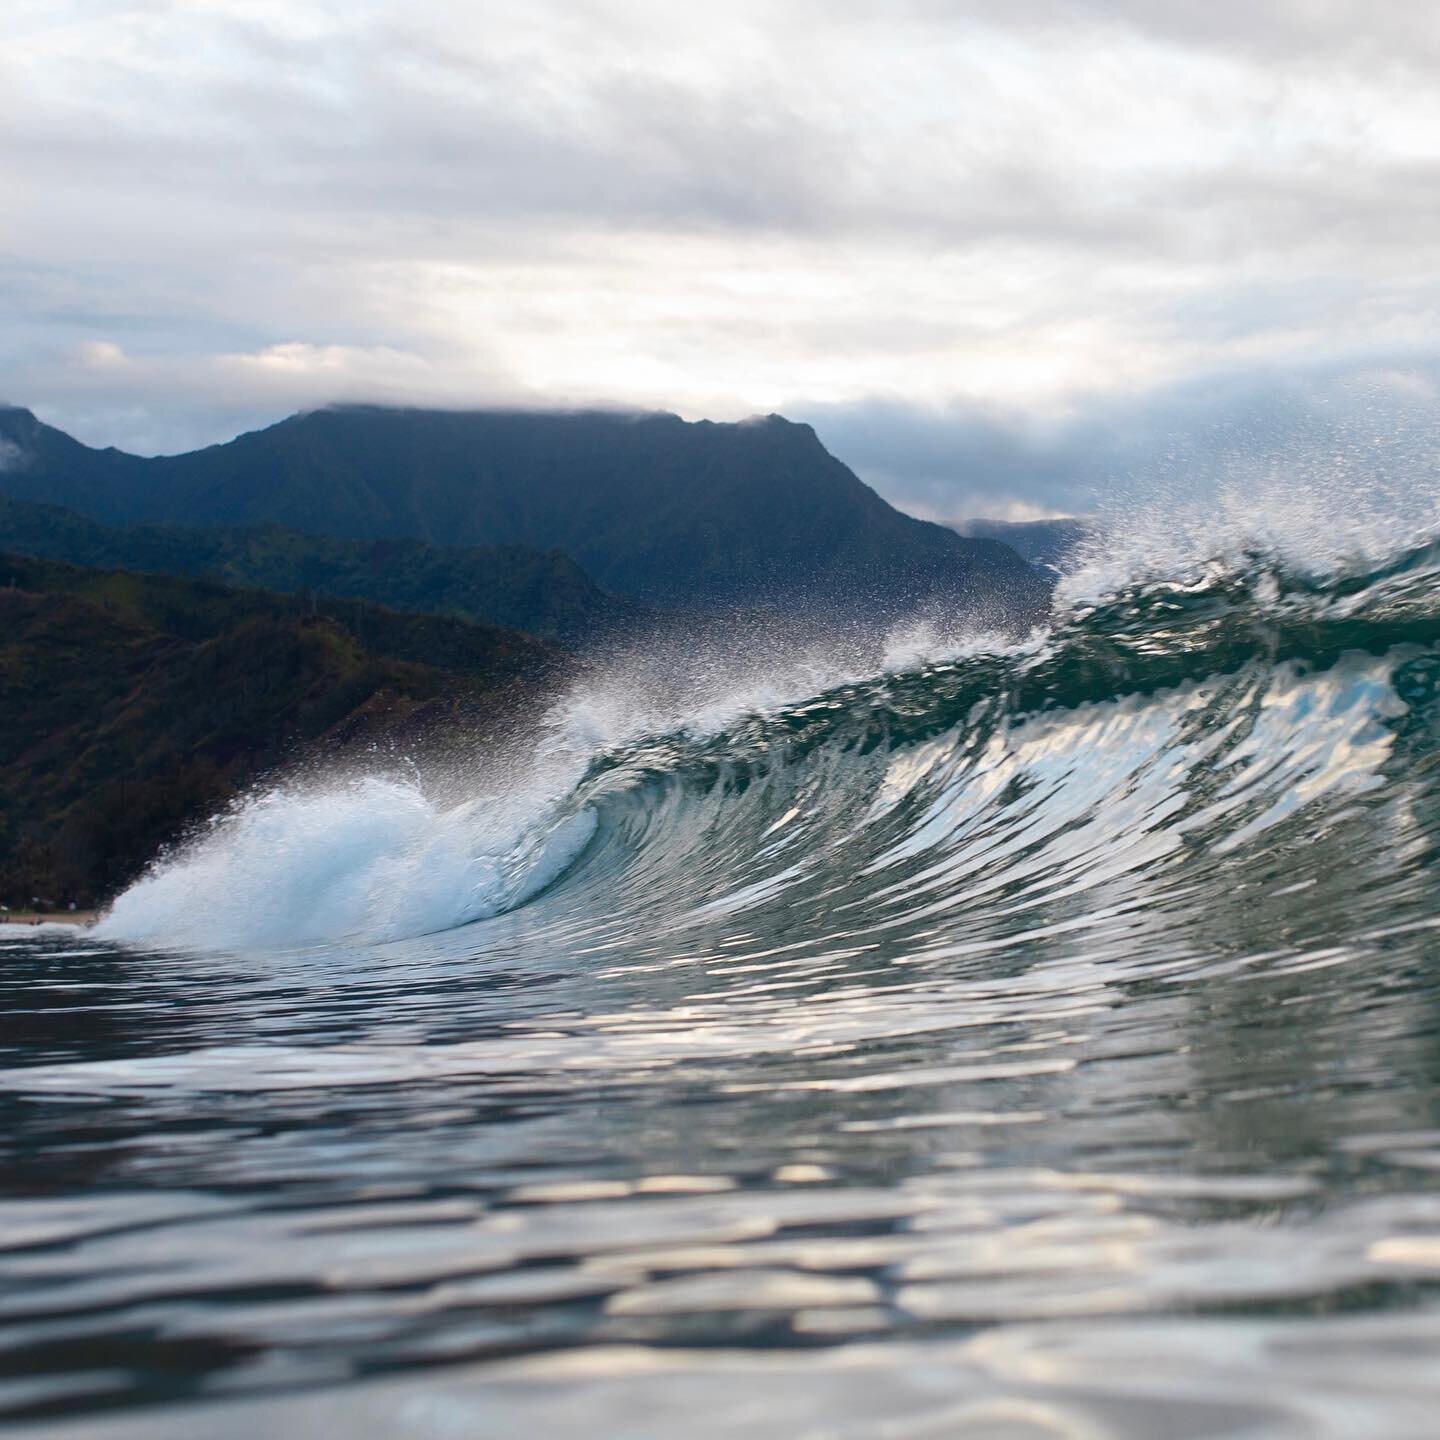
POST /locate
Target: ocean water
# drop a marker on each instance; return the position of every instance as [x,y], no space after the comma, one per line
[1015,1041]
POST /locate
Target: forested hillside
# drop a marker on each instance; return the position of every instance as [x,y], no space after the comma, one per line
[132,706]
[542,592]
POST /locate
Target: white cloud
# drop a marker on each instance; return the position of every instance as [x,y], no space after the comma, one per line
[166,402]
[98,355]
[222,211]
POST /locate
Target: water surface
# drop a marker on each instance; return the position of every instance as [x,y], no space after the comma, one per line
[1022,1044]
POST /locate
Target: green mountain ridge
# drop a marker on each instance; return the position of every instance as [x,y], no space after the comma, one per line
[542,592]
[677,514]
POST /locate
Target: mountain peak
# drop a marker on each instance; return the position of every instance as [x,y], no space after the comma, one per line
[682,514]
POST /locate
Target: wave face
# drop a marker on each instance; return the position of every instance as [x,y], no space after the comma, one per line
[1161,747]
[1024,1040]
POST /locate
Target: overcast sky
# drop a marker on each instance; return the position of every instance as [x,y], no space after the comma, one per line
[999,253]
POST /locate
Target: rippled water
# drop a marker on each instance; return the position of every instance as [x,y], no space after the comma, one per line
[1043,1043]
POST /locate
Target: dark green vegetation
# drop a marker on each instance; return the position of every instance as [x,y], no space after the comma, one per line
[132,706]
[543,592]
[679,515]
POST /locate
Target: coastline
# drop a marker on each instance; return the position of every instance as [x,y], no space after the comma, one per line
[82,919]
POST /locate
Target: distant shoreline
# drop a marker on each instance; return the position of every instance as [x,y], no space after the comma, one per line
[80,918]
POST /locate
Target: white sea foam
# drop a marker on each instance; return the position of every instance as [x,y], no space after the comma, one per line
[373,857]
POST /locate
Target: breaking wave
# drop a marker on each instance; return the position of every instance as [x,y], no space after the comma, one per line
[1242,725]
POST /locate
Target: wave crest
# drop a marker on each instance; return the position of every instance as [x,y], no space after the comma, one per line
[1170,722]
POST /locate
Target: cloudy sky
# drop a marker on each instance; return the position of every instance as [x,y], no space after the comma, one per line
[998,253]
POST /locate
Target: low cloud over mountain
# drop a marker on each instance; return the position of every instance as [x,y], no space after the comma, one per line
[221,212]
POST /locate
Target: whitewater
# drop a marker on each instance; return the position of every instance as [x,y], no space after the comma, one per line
[1004,1037]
